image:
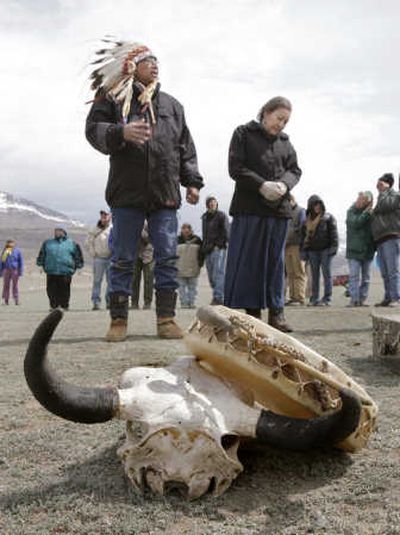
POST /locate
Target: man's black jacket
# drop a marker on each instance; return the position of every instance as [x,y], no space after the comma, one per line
[146,177]
[215,231]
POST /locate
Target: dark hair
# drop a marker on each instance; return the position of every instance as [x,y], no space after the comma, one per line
[274,104]
[388,178]
[209,199]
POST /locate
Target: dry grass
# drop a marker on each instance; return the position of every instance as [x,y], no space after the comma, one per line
[62,478]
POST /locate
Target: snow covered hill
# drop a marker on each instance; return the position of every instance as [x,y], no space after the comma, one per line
[30,224]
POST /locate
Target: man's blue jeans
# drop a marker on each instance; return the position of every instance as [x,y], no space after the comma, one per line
[126,232]
[187,290]
[359,288]
[320,260]
[215,264]
[100,269]
[389,261]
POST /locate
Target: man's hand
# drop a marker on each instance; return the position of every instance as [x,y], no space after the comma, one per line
[137,132]
[272,191]
[192,195]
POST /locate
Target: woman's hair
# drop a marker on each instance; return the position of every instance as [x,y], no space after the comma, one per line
[274,104]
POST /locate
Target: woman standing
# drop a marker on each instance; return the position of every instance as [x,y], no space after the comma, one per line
[11,269]
[319,244]
[263,164]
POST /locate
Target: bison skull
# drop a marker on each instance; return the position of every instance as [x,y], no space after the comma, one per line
[183,424]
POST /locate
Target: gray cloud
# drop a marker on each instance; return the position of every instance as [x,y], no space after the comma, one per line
[222,59]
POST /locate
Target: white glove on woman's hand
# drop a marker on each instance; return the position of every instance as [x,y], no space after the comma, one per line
[272,191]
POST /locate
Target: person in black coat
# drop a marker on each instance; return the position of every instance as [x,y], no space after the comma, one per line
[152,154]
[215,227]
[319,244]
[263,164]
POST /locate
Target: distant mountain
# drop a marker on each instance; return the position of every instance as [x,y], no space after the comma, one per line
[22,211]
[30,224]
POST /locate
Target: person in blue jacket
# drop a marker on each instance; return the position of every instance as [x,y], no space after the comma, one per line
[59,257]
[11,269]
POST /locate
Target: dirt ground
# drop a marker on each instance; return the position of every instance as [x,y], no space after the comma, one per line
[59,477]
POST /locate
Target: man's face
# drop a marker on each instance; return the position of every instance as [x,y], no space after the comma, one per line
[212,205]
[275,121]
[58,233]
[381,186]
[105,218]
[147,70]
[186,231]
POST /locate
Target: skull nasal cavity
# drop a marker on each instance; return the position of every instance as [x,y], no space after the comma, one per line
[176,487]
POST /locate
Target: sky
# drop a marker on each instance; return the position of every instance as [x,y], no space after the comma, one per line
[337,61]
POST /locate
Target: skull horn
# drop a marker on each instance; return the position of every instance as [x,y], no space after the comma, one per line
[75,403]
[303,434]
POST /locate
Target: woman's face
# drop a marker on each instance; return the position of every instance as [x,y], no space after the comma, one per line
[275,121]
[317,209]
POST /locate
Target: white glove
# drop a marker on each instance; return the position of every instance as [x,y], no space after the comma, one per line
[272,191]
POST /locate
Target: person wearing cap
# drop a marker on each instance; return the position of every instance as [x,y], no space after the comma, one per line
[215,225]
[189,264]
[152,155]
[263,164]
[97,246]
[59,258]
[11,269]
[360,249]
[385,226]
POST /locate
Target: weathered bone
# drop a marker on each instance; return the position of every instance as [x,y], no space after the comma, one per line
[184,423]
[283,374]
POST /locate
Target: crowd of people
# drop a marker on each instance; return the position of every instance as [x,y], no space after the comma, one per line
[272,245]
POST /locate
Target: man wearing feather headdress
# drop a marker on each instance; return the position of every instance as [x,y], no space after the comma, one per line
[152,154]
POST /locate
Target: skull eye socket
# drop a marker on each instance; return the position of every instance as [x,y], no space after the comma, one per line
[229,441]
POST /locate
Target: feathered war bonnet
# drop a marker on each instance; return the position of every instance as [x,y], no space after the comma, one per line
[115,74]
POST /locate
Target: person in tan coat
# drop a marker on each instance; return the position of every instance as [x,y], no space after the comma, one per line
[295,266]
[97,246]
[189,263]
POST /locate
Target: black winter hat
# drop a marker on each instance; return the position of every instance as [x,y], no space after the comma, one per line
[388,178]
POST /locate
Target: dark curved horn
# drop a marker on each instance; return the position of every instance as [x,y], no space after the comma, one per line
[299,434]
[75,403]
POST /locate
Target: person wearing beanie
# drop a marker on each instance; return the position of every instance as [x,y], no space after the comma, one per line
[152,154]
[215,225]
[11,269]
[385,226]
[263,164]
[97,246]
[360,249]
[59,258]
